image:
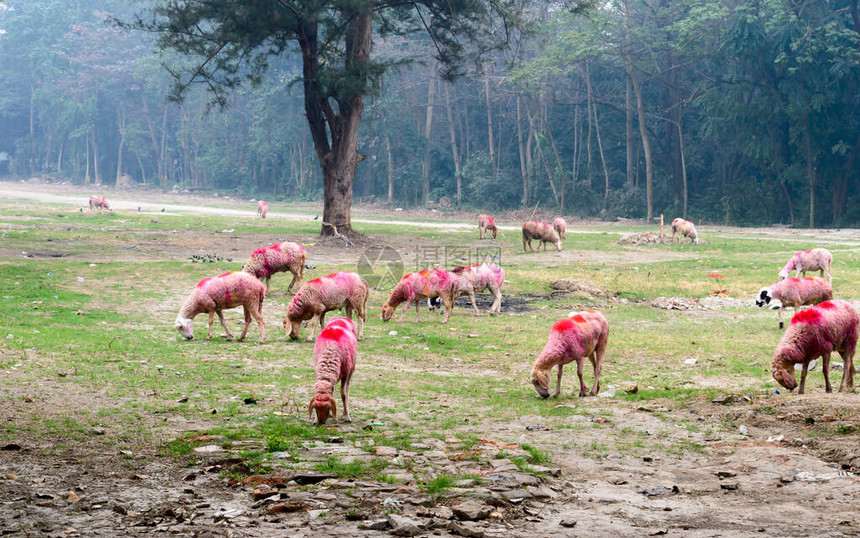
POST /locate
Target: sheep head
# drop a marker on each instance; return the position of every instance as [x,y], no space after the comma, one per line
[495,231]
[387,311]
[558,245]
[292,327]
[323,404]
[765,296]
[784,374]
[185,326]
[783,274]
[540,379]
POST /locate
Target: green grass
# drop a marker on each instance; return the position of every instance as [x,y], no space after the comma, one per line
[92,339]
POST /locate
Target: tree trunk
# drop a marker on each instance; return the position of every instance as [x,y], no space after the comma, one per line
[646,143]
[684,191]
[455,153]
[87,170]
[588,166]
[152,136]
[534,135]
[599,141]
[97,177]
[390,170]
[523,154]
[810,169]
[32,130]
[120,123]
[428,131]
[628,109]
[490,142]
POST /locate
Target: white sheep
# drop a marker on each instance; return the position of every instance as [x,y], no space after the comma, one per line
[816,259]
[472,279]
[99,202]
[335,354]
[345,290]
[560,226]
[262,209]
[214,294]
[581,335]
[795,292]
[278,258]
[685,228]
[817,332]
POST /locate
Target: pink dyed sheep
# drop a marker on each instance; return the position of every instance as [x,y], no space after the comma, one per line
[262,209]
[99,202]
[486,222]
[560,226]
[816,259]
[795,292]
[817,332]
[572,339]
[214,294]
[685,228]
[479,277]
[344,323]
[542,231]
[426,284]
[316,297]
[334,354]
[278,258]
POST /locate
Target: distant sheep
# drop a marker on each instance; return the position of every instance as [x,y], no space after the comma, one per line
[214,294]
[472,279]
[817,332]
[560,226]
[99,202]
[816,259]
[486,223]
[685,228]
[262,209]
[572,339]
[795,292]
[335,353]
[344,290]
[425,284]
[278,258]
[542,232]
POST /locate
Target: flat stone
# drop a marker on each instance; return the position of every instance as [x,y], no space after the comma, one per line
[403,526]
[516,495]
[469,530]
[471,510]
[726,474]
[386,451]
[569,523]
[729,485]
[541,492]
[552,471]
[466,483]
[375,525]
[420,446]
[501,463]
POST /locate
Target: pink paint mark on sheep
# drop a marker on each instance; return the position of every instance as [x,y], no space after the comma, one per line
[810,316]
[827,305]
[205,281]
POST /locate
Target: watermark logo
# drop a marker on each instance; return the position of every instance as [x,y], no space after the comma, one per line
[381,266]
[452,256]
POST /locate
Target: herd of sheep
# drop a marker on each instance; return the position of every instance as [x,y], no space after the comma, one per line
[829,325]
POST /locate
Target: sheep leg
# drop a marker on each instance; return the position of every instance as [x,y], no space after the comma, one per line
[449,305]
[268,278]
[211,319]
[474,306]
[290,287]
[344,397]
[405,308]
[247,323]
[417,311]
[312,325]
[497,302]
[557,382]
[258,316]
[597,364]
[580,371]
[779,315]
[825,368]
[223,324]
[803,377]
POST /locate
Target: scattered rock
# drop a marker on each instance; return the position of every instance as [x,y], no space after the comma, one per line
[469,530]
[376,525]
[659,491]
[733,485]
[569,523]
[471,510]
[403,526]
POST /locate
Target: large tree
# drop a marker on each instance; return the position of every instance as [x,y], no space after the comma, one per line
[233,41]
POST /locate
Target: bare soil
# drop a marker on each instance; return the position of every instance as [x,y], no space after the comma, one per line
[790,474]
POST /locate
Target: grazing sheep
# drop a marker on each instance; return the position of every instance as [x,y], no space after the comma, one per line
[795,292]
[278,258]
[685,228]
[816,259]
[214,294]
[560,226]
[99,202]
[345,323]
[316,297]
[334,354]
[487,222]
[262,209]
[572,339]
[541,231]
[479,277]
[817,332]
[422,285]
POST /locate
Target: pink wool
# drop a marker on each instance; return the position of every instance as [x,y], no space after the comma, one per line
[813,333]
[685,228]
[335,354]
[816,259]
[425,284]
[278,258]
[541,231]
[486,222]
[344,323]
[99,202]
[472,279]
[573,339]
[214,294]
[560,226]
[344,290]
[262,209]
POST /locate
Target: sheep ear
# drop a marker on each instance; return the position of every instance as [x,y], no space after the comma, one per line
[333,409]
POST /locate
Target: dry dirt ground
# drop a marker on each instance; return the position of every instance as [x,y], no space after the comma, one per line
[792,474]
